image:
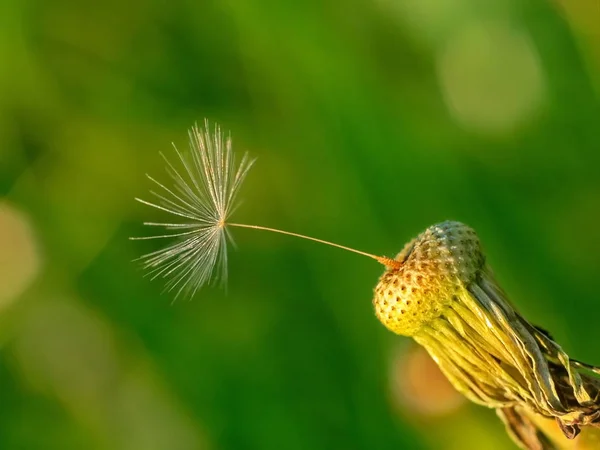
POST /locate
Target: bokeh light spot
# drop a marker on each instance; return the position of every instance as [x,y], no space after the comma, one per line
[19,257]
[418,384]
[68,350]
[491,78]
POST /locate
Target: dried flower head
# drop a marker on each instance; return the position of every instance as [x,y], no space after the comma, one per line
[444,295]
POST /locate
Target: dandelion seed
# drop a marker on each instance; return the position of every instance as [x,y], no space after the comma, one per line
[201,198]
[204,187]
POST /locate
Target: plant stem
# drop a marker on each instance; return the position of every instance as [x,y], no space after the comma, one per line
[389,262]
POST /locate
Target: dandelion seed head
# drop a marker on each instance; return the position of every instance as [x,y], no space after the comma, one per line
[200,197]
[435,267]
[446,297]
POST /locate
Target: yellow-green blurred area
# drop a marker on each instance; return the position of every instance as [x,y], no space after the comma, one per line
[371,120]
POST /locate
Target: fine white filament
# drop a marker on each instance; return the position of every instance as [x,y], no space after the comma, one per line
[201,196]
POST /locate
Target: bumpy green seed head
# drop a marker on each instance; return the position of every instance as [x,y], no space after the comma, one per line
[440,261]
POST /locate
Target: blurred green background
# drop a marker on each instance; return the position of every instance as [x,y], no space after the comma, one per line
[371,120]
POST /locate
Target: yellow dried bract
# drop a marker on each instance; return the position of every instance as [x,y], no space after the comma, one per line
[436,265]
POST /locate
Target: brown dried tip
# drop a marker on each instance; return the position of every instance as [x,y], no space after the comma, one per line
[389,262]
